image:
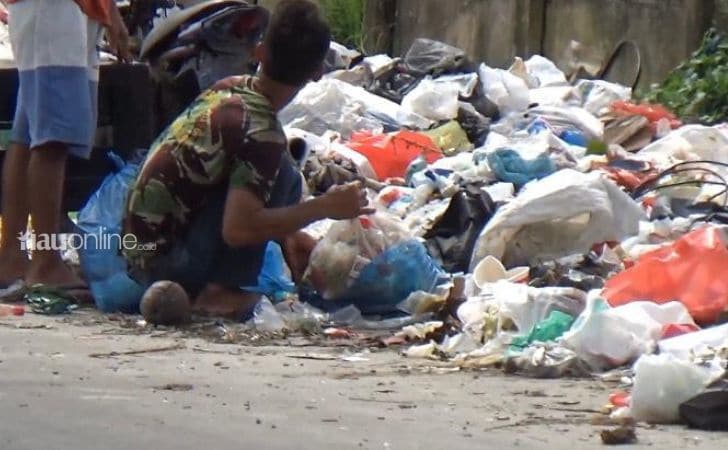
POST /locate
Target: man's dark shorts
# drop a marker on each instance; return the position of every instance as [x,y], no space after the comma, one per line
[202,257]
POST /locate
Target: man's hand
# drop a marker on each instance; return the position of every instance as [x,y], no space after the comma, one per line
[297,250]
[118,36]
[346,201]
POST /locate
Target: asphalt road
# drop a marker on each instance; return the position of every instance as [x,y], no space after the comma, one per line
[61,390]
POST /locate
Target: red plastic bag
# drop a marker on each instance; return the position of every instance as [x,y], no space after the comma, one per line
[673,330]
[690,270]
[391,154]
[652,112]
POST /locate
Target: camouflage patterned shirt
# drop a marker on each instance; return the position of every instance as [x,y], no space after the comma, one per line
[229,136]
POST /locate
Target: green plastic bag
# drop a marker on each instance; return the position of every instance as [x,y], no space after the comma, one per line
[548,330]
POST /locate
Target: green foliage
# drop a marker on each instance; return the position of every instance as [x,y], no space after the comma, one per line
[345,18]
[697,90]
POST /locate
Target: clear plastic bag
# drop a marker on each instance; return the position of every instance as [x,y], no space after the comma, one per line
[348,247]
[428,57]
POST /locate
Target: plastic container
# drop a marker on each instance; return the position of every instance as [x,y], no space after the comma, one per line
[491,270]
[662,383]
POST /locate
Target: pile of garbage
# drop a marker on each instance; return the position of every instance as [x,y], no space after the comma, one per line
[546,227]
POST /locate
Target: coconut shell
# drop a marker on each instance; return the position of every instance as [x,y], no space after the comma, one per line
[166,303]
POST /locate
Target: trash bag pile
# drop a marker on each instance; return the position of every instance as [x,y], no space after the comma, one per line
[551,228]
[523,221]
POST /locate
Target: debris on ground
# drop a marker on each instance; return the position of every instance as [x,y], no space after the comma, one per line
[619,436]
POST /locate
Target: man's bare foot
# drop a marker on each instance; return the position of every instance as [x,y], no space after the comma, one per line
[54,272]
[219,301]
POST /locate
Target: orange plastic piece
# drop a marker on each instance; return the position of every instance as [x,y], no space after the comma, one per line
[391,154]
[690,270]
[619,399]
[652,112]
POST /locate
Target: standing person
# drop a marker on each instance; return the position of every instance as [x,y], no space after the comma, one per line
[54,42]
[220,182]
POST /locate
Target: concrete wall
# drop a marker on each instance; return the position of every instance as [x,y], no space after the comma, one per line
[666,31]
[492,30]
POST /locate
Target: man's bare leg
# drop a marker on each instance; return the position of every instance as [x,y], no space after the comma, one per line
[46,176]
[219,301]
[13,260]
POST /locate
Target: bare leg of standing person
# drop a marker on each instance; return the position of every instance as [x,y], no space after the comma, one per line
[48,163]
[14,260]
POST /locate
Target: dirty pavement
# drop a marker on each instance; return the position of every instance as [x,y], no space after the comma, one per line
[72,381]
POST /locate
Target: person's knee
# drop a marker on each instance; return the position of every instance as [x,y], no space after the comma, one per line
[50,152]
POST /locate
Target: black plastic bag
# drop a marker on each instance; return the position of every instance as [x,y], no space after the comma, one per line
[707,411]
[476,125]
[394,84]
[428,57]
[452,239]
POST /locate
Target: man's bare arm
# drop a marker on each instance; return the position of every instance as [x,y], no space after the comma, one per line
[247,222]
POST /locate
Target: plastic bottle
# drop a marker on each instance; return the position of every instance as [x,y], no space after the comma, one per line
[11,310]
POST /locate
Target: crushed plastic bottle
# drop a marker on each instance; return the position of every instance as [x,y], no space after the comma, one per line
[266,318]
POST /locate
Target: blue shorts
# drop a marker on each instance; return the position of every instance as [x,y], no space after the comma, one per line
[54,44]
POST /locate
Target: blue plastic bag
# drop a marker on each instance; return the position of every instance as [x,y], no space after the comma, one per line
[391,277]
[508,166]
[273,280]
[100,222]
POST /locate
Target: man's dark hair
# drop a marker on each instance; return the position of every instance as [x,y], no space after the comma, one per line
[297,41]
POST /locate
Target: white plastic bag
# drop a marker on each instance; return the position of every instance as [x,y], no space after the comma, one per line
[563,214]
[597,95]
[436,101]
[331,104]
[570,116]
[520,304]
[610,337]
[689,345]
[689,143]
[662,383]
[325,148]
[504,89]
[545,72]
[527,306]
